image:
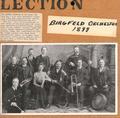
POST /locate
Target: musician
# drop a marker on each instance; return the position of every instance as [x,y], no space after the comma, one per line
[13,98]
[43,58]
[31,63]
[103,79]
[71,62]
[58,76]
[39,79]
[31,59]
[10,72]
[25,76]
[81,83]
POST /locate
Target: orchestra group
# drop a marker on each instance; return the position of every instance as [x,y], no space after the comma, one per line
[36,78]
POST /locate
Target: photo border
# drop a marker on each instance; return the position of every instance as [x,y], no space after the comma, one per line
[65,114]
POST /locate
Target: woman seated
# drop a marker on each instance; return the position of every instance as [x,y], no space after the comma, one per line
[39,79]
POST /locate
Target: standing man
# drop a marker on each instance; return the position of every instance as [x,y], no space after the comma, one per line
[31,59]
[13,98]
[9,73]
[71,62]
[43,58]
[31,63]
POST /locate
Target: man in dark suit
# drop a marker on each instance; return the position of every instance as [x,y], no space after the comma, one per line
[31,63]
[58,76]
[10,72]
[43,58]
[103,79]
[25,78]
[31,59]
[79,82]
[71,62]
[13,98]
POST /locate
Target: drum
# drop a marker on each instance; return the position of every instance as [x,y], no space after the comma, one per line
[99,101]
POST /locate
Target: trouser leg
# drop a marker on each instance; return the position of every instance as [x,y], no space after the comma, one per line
[91,91]
[26,94]
[81,90]
[106,91]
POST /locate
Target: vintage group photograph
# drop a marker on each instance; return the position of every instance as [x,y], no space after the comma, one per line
[59,78]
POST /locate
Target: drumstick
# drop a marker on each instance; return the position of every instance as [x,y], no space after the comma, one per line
[19,108]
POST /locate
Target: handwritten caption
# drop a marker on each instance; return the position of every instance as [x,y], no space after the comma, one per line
[82,26]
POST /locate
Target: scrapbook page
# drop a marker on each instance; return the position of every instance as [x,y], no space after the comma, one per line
[59,58]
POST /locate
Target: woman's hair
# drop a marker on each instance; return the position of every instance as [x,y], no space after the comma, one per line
[41,64]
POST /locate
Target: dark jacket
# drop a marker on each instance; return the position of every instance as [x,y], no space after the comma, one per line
[82,76]
[10,96]
[25,73]
[59,76]
[74,59]
[31,63]
[45,60]
[9,73]
[103,78]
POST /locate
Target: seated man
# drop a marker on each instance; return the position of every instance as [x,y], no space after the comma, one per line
[13,98]
[102,81]
[10,72]
[81,76]
[25,78]
[58,76]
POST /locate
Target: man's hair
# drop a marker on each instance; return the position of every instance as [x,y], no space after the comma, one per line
[14,57]
[102,58]
[58,61]
[41,64]
[43,48]
[15,78]
[30,49]
[24,58]
[79,59]
[75,47]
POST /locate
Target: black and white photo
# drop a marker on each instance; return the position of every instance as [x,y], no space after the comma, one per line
[71,78]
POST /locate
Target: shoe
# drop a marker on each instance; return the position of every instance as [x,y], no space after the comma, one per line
[48,106]
[66,105]
[43,106]
[59,106]
[81,107]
